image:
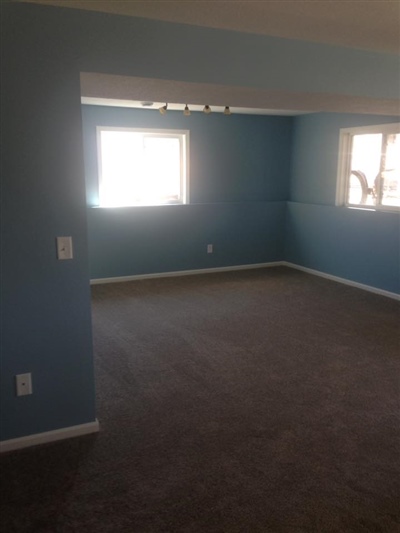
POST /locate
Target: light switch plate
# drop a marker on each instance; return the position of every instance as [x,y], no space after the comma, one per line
[64,248]
[23,383]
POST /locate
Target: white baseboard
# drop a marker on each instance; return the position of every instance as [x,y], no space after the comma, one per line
[49,436]
[93,427]
[345,281]
[362,286]
[121,279]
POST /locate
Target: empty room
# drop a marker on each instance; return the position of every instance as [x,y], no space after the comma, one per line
[200,267]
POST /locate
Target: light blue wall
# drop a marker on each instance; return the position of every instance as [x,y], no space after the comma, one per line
[239,180]
[358,245]
[194,54]
[236,158]
[45,303]
[239,177]
[129,241]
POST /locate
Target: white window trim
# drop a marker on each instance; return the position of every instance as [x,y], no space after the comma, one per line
[184,140]
[344,162]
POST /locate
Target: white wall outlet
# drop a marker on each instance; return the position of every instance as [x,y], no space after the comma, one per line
[23,384]
[64,248]
[209,248]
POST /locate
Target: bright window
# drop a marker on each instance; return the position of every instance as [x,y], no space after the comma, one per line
[369,167]
[142,167]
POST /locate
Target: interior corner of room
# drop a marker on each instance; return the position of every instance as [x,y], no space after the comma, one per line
[263,180]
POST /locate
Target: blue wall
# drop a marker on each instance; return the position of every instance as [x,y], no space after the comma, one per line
[239,192]
[46,303]
[239,182]
[359,245]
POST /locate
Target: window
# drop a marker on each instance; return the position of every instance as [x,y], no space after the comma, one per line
[369,167]
[142,167]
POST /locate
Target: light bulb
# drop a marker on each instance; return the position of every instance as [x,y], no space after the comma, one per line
[186,111]
[163,109]
[207,109]
[227,111]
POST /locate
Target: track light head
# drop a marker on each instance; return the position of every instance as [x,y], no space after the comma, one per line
[163,109]
[207,109]
[227,111]
[186,111]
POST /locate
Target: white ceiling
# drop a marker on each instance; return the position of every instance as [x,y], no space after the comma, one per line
[366,24]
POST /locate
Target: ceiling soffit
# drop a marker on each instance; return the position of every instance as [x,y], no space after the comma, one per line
[127,89]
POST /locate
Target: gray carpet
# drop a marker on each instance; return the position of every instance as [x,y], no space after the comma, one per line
[252,401]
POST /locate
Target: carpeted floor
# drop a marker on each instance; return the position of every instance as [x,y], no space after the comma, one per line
[252,401]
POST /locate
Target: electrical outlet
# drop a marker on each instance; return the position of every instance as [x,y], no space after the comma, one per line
[64,248]
[23,384]
[209,248]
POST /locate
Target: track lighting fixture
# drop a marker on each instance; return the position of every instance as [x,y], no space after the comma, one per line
[186,110]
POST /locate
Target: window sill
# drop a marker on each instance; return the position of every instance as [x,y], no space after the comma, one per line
[393,210]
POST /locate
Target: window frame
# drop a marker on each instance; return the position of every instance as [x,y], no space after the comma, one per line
[184,142]
[344,164]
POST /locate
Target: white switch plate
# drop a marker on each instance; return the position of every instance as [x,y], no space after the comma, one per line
[209,248]
[64,248]
[23,384]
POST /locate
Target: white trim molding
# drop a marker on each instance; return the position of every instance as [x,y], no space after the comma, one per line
[344,165]
[126,201]
[121,279]
[93,427]
[362,286]
[369,288]
[49,436]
